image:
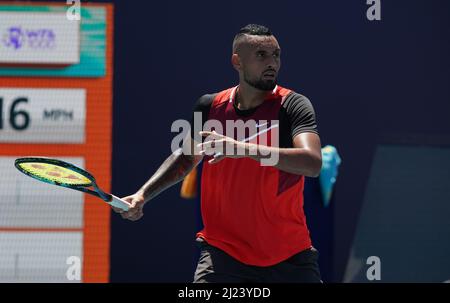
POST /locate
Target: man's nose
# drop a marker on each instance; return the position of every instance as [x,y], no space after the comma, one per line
[273,64]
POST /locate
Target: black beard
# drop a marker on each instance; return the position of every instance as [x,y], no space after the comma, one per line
[265,85]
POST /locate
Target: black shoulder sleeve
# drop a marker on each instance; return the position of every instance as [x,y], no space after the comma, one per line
[300,114]
[202,106]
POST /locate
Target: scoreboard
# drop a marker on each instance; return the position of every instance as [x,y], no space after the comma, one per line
[55,101]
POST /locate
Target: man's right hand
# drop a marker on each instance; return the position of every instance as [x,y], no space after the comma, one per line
[135,212]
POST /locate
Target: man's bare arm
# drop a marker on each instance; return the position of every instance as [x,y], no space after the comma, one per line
[173,170]
[305,158]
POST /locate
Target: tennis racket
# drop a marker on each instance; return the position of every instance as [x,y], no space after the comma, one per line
[57,172]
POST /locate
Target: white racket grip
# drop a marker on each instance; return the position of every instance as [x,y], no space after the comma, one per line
[119,203]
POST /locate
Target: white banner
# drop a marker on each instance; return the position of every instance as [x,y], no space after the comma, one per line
[42,115]
[40,257]
[39,38]
[29,203]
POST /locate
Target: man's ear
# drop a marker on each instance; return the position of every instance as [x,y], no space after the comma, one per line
[236,62]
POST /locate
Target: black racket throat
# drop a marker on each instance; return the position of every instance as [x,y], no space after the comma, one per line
[97,192]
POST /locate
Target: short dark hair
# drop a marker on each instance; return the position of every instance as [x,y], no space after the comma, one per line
[254,29]
[251,29]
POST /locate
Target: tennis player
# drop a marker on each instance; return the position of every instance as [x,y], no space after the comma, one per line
[254,225]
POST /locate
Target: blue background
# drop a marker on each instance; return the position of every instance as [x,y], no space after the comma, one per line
[367,80]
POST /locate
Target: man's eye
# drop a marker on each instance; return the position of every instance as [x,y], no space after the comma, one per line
[260,55]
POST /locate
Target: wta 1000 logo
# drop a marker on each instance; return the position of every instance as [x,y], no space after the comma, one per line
[18,38]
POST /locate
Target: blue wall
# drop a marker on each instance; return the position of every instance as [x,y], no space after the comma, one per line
[365,79]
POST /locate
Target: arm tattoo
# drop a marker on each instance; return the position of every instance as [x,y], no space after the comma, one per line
[172,171]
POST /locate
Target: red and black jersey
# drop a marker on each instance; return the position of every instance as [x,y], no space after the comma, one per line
[253,212]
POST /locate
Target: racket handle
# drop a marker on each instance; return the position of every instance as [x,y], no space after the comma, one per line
[119,203]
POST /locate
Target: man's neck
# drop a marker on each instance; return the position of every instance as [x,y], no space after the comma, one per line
[248,97]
